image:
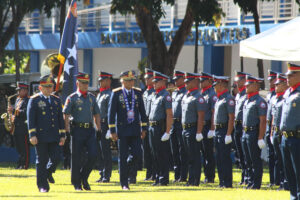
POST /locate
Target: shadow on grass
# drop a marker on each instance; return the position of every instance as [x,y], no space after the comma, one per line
[16,175]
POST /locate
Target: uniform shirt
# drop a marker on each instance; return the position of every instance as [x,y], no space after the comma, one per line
[117,113]
[147,96]
[211,98]
[240,100]
[45,120]
[82,109]
[159,104]
[269,97]
[192,103]
[225,105]
[276,110]
[20,110]
[103,101]
[254,107]
[177,96]
[291,111]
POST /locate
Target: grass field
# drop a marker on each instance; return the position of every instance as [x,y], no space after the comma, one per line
[21,184]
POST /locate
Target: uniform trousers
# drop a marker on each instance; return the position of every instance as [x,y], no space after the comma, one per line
[105,151]
[22,144]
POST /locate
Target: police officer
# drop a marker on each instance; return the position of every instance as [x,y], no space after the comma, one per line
[290,127]
[104,135]
[160,122]
[21,132]
[193,115]
[276,110]
[240,80]
[177,145]
[224,121]
[127,123]
[274,176]
[254,125]
[147,95]
[83,108]
[46,130]
[207,144]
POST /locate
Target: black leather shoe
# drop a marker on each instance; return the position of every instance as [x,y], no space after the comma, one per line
[50,178]
[125,187]
[155,184]
[78,187]
[99,180]
[148,178]
[43,190]
[86,185]
[104,180]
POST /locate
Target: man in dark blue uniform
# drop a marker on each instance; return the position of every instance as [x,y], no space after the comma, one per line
[240,79]
[147,96]
[207,144]
[103,136]
[193,114]
[224,121]
[46,130]
[290,127]
[254,125]
[21,132]
[274,173]
[127,123]
[160,122]
[276,111]
[177,145]
[83,108]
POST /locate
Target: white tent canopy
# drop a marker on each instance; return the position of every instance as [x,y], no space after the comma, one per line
[279,43]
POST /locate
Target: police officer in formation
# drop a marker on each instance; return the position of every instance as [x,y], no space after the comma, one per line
[20,131]
[207,144]
[46,130]
[275,137]
[254,124]
[127,123]
[147,96]
[83,108]
[240,80]
[160,122]
[223,120]
[273,171]
[290,127]
[177,145]
[103,136]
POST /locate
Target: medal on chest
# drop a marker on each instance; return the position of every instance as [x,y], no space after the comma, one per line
[130,110]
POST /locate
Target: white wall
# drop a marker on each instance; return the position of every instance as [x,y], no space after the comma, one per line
[186,59]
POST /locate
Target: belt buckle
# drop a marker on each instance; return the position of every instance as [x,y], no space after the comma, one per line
[285,134]
[245,129]
[86,125]
[183,126]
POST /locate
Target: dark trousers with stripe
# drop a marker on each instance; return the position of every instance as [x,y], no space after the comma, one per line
[22,145]
[106,158]
[273,171]
[148,158]
[224,162]
[82,139]
[47,158]
[290,148]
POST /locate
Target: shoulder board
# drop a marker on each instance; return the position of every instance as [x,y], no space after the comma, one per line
[117,89]
[91,94]
[34,96]
[55,96]
[138,89]
[71,95]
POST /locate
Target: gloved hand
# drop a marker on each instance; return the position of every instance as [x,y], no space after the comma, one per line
[228,139]
[199,137]
[108,135]
[165,137]
[261,143]
[210,134]
[272,140]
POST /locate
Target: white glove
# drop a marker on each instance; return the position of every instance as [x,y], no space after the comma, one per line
[228,139]
[272,140]
[210,134]
[165,137]
[108,135]
[261,143]
[199,137]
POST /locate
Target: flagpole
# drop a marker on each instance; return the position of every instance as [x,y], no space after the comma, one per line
[59,75]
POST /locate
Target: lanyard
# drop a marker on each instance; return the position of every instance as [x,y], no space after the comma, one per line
[130,113]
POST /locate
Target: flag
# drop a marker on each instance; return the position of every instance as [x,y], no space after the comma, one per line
[68,51]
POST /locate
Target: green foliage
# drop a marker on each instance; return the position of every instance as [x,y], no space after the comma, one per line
[9,63]
[155,7]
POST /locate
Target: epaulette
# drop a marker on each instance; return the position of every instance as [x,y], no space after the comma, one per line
[34,96]
[138,89]
[55,96]
[117,89]
[91,94]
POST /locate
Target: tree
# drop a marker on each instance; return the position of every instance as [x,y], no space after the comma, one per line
[147,14]
[9,23]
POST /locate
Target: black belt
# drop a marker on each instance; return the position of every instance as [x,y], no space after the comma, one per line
[188,125]
[176,120]
[291,134]
[238,122]
[250,128]
[155,123]
[218,126]
[82,125]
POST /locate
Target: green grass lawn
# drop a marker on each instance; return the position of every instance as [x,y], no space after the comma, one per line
[21,184]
